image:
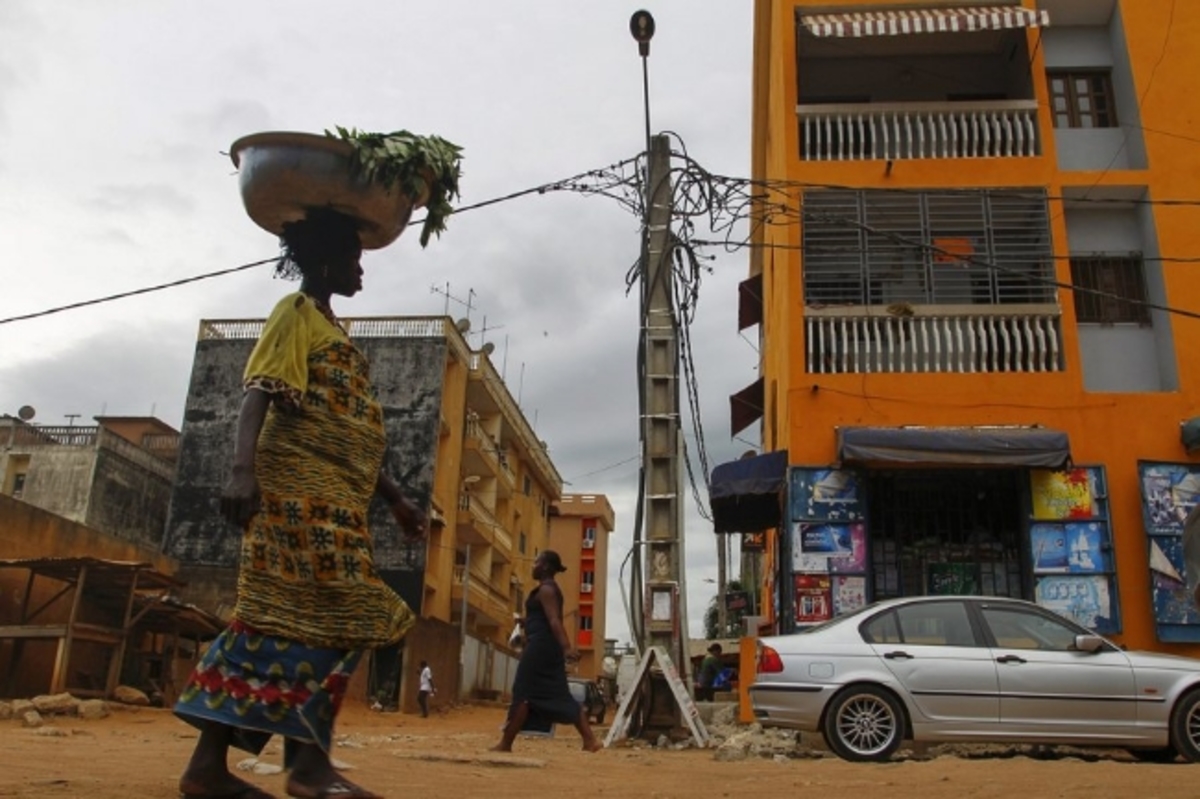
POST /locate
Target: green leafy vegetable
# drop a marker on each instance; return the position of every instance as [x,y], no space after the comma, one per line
[423,166]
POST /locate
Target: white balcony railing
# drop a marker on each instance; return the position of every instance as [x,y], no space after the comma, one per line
[899,131]
[933,338]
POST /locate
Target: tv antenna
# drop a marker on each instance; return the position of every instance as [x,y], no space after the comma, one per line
[468,303]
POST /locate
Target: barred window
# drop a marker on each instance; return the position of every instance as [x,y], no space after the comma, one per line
[952,247]
[1082,99]
[1121,276]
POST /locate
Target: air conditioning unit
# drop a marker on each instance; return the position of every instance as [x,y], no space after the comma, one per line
[586,588]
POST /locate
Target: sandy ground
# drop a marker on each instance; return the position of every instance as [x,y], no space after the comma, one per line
[140,753]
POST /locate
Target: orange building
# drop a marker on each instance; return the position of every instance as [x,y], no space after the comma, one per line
[967,295]
[580,525]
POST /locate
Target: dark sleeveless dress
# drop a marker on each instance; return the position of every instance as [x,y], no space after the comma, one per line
[542,671]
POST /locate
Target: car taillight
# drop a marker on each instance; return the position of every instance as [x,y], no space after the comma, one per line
[769,661]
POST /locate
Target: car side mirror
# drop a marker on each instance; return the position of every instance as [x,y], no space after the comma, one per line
[1088,643]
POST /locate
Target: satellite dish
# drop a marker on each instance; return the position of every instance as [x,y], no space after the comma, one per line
[489,348]
[608,666]
[26,412]
[463,325]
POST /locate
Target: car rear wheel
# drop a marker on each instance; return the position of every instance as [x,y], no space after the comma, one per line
[864,723]
[600,717]
[1185,726]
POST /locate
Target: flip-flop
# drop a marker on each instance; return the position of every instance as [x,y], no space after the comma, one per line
[340,789]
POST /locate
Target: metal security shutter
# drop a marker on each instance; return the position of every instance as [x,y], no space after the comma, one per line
[958,247]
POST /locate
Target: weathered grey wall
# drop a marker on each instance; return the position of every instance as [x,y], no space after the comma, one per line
[59,480]
[408,375]
[128,501]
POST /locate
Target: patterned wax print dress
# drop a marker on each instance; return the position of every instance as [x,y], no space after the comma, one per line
[309,596]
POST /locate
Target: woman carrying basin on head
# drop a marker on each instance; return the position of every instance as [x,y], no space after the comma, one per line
[307,461]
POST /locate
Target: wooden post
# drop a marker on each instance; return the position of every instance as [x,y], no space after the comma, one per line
[62,661]
[18,646]
[118,655]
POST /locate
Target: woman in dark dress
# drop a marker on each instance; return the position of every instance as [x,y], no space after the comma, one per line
[540,687]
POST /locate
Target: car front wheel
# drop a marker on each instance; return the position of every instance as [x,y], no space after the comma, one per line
[1185,726]
[864,723]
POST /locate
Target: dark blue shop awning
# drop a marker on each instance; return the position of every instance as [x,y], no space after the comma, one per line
[1034,447]
[745,495]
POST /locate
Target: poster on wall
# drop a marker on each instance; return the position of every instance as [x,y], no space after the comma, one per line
[814,599]
[826,540]
[1086,600]
[1077,547]
[839,548]
[826,494]
[1065,494]
[856,561]
[849,594]
[1169,492]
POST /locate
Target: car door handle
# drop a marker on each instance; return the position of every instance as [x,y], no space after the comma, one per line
[899,654]
[1010,659]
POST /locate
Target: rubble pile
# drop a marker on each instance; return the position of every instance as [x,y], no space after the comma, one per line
[34,712]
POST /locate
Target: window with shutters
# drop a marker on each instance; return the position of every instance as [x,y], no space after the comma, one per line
[1110,290]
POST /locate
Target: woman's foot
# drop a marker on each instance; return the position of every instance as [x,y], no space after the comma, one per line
[592,746]
[337,788]
[314,777]
[500,748]
[214,785]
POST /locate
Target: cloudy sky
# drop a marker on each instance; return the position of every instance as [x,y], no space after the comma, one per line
[114,115]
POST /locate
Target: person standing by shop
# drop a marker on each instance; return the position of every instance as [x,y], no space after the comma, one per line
[710,667]
[425,689]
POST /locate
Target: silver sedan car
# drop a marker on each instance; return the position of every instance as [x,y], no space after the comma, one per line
[974,669]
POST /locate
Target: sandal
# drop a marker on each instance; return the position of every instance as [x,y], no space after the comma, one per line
[339,789]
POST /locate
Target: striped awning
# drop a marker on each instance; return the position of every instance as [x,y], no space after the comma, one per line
[857,24]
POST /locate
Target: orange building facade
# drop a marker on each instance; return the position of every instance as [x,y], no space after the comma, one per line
[580,525]
[967,297]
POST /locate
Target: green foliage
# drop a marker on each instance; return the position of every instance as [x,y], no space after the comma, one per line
[421,165]
[733,619]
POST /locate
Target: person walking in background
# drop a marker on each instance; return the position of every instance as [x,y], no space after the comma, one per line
[710,667]
[308,458]
[425,689]
[540,686]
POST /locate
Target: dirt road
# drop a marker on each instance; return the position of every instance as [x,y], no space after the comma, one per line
[140,753]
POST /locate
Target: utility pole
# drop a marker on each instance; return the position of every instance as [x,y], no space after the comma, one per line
[722,581]
[664,596]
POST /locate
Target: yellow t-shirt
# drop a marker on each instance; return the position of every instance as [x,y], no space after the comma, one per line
[279,363]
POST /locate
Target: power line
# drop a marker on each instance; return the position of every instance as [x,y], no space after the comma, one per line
[564,184]
[146,290]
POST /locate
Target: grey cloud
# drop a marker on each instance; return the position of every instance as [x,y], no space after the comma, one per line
[141,198]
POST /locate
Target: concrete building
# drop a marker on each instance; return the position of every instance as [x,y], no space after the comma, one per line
[969,363]
[459,443]
[114,476]
[580,525]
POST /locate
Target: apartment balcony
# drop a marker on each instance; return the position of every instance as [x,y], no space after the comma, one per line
[478,526]
[907,131]
[491,606]
[923,82]
[483,455]
[933,338]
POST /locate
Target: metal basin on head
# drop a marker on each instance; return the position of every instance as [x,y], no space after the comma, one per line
[282,176]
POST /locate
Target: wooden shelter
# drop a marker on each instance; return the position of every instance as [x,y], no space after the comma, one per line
[111,603]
